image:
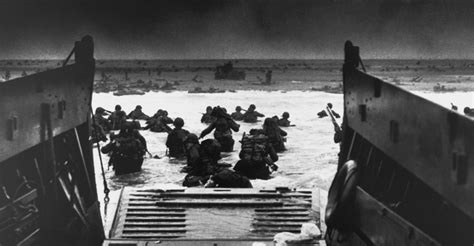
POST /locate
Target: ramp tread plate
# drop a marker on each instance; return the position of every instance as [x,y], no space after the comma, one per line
[187,214]
[157,219]
[148,229]
[155,213]
[154,224]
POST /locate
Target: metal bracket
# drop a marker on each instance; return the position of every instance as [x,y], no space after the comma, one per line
[459,168]
[394,131]
[363,112]
[61,109]
[12,127]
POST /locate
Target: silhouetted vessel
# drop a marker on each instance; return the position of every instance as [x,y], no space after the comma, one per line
[228,72]
[210,90]
[442,88]
[329,89]
[128,91]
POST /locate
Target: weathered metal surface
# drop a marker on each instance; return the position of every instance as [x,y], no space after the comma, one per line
[384,227]
[199,213]
[433,143]
[45,150]
[66,90]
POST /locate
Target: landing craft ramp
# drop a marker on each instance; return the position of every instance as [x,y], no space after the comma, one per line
[211,216]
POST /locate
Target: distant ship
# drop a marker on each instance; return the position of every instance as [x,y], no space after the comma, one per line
[329,89]
[227,72]
[442,88]
[128,91]
[210,90]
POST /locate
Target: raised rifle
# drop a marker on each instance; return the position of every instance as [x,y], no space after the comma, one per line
[333,119]
[337,128]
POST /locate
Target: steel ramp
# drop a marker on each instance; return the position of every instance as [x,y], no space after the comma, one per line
[202,214]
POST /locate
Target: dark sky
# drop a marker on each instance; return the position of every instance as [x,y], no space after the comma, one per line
[176,29]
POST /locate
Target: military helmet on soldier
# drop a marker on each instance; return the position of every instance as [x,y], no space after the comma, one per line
[178,122]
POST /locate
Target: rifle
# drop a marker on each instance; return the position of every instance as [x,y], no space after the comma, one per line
[270,163]
[333,119]
[454,107]
[337,128]
[153,156]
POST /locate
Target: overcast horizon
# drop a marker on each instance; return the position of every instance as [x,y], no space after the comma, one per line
[225,29]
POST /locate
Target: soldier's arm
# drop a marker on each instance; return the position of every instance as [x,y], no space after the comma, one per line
[234,126]
[142,139]
[145,117]
[207,130]
[259,114]
[108,147]
[168,139]
[193,156]
[167,120]
[272,153]
[167,128]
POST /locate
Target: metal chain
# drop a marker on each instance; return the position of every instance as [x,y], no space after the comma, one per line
[106,189]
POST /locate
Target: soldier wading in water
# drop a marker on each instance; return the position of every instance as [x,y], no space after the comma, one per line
[223,125]
[126,150]
[257,156]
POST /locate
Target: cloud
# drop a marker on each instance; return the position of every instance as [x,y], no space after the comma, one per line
[239,29]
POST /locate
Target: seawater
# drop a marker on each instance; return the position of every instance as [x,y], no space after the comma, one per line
[309,162]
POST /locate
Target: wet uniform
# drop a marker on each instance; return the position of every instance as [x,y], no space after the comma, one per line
[100,120]
[159,124]
[175,142]
[138,115]
[117,119]
[238,116]
[207,118]
[127,150]
[251,116]
[284,122]
[275,137]
[202,161]
[256,156]
[223,132]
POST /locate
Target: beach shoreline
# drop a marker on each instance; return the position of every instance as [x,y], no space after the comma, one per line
[287,75]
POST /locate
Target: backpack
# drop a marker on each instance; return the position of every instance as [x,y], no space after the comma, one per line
[253,147]
[130,146]
[229,179]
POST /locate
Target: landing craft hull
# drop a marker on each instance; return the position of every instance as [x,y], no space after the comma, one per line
[48,194]
[415,185]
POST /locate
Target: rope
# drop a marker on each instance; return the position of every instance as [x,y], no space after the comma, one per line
[69,56]
[106,189]
[362,65]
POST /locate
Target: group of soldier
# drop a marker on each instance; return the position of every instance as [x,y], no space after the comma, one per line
[257,156]
[467,110]
[258,152]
